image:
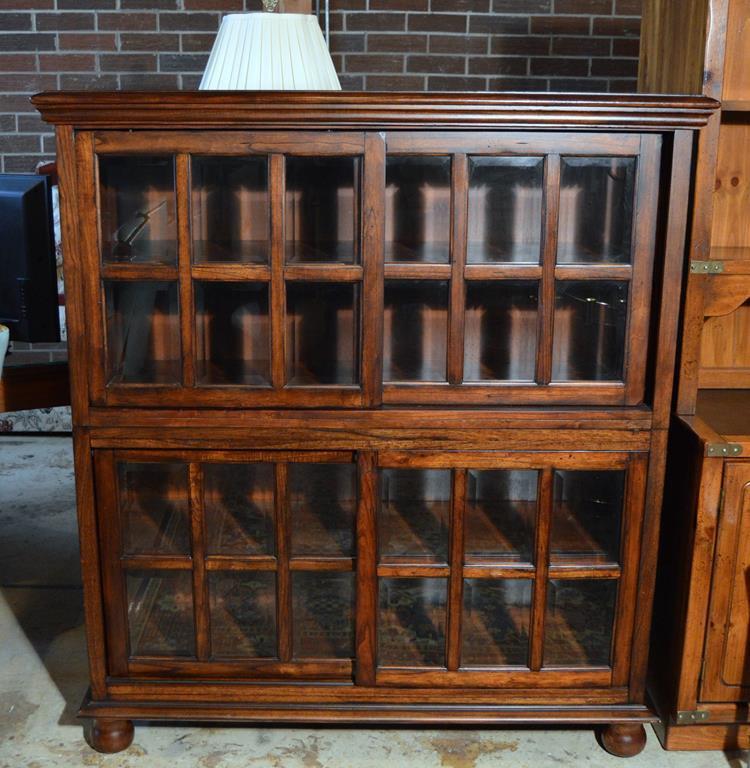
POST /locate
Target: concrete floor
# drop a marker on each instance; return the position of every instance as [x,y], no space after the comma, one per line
[43,670]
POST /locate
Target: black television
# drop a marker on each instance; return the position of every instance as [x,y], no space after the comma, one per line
[28,276]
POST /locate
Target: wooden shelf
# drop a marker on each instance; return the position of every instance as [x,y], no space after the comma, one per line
[727,412]
[735,105]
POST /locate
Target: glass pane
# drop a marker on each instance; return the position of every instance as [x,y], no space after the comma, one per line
[137,210]
[505,209]
[238,503]
[596,210]
[232,333]
[160,613]
[323,610]
[496,616]
[322,209]
[586,516]
[501,330]
[578,623]
[500,515]
[590,321]
[416,330]
[322,508]
[230,209]
[411,622]
[414,513]
[243,614]
[418,209]
[322,333]
[153,501]
[143,333]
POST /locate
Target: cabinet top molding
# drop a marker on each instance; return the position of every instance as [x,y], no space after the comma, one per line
[358,110]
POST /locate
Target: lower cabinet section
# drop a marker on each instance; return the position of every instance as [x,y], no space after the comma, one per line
[473,570]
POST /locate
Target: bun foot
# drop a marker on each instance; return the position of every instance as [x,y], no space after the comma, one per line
[624,739]
[108,735]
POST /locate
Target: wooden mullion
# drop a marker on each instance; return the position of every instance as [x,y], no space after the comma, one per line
[372,223]
[231,563]
[187,312]
[278,289]
[456,578]
[283,576]
[459,207]
[257,273]
[330,273]
[200,578]
[551,211]
[367,581]
[541,560]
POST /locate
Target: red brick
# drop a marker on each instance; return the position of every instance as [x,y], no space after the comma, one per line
[498,65]
[83,42]
[521,45]
[213,5]
[447,83]
[522,6]
[458,44]
[190,82]
[198,43]
[623,86]
[13,42]
[32,124]
[444,65]
[376,22]
[581,7]
[400,5]
[560,67]
[344,43]
[628,7]
[149,82]
[348,5]
[22,163]
[396,43]
[67,62]
[15,102]
[27,5]
[128,62]
[352,82]
[149,41]
[16,22]
[92,82]
[49,144]
[395,83]
[626,46]
[560,25]
[150,5]
[14,143]
[86,5]
[27,82]
[189,22]
[115,22]
[627,68]
[437,22]
[577,84]
[615,27]
[183,62]
[498,25]
[519,84]
[365,63]
[56,22]
[8,123]
[17,62]
[580,46]
[465,6]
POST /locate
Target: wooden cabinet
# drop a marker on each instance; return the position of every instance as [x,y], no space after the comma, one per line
[699,673]
[371,402]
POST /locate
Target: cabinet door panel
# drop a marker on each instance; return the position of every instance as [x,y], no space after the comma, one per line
[727,671]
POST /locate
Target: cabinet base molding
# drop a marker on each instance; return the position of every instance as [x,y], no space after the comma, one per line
[703,737]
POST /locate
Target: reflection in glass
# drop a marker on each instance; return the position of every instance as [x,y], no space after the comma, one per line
[418,209]
[322,209]
[322,506]
[501,507]
[232,333]
[238,503]
[578,623]
[589,336]
[596,210]
[414,513]
[230,209]
[243,614]
[137,209]
[505,209]
[143,334]
[411,622]
[323,615]
[153,502]
[322,333]
[495,628]
[415,336]
[586,516]
[501,330]
[160,613]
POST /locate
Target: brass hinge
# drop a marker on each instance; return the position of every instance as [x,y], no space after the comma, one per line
[723,449]
[689,716]
[714,267]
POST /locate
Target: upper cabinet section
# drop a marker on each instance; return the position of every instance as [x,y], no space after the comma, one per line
[356,269]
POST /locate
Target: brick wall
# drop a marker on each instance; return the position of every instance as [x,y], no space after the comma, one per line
[376,44]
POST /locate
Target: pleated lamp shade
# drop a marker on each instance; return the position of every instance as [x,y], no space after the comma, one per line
[270,51]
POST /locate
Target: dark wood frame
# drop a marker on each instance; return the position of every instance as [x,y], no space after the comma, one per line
[635,428]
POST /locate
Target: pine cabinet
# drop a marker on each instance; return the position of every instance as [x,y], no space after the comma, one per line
[371,401]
